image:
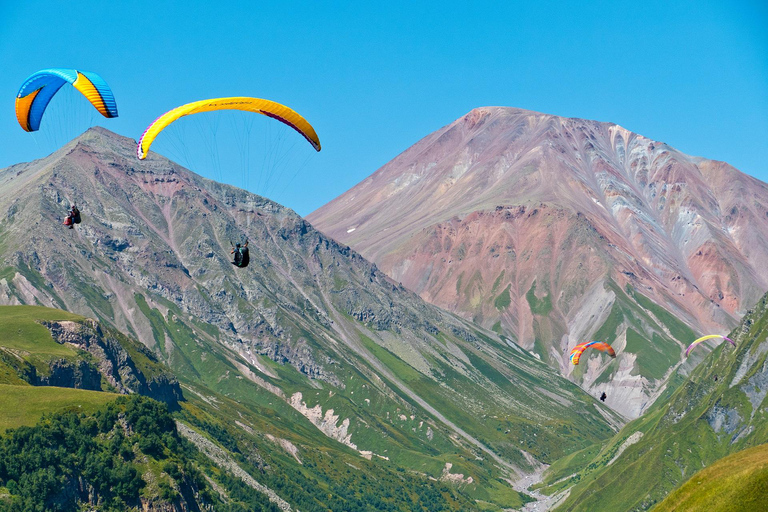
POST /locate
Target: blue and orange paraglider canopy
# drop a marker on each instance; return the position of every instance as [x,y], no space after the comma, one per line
[36,93]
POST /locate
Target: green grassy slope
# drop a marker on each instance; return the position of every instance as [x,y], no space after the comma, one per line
[718,410]
[502,396]
[321,474]
[737,483]
[25,405]
[311,338]
[417,444]
[24,340]
[118,457]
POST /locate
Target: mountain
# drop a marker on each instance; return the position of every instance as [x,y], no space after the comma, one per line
[311,344]
[552,231]
[717,410]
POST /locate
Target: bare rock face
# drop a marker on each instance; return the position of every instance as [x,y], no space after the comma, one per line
[520,221]
[68,374]
[112,361]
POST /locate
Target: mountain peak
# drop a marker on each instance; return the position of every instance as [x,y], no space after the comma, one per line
[98,137]
[482,113]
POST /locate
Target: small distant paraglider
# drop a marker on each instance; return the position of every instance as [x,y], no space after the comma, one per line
[597,345]
[37,91]
[705,338]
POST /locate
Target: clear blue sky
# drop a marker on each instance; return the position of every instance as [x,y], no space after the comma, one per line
[374,78]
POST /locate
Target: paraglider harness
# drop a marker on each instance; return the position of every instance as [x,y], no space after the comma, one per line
[73,217]
[242,258]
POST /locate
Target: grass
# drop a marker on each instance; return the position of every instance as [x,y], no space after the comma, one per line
[570,464]
[20,330]
[737,483]
[497,282]
[7,273]
[42,400]
[679,437]
[538,306]
[658,354]
[156,320]
[37,280]
[607,331]
[96,299]
[503,300]
[458,283]
[678,329]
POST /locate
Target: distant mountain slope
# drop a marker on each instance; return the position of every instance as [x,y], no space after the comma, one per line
[553,230]
[310,336]
[737,483]
[720,409]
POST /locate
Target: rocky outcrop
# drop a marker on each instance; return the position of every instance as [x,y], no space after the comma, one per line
[328,423]
[68,374]
[113,362]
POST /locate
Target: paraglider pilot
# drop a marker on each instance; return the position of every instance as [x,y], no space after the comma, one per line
[73,217]
[603,397]
[242,258]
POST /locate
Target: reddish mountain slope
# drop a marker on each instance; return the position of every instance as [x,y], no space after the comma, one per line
[550,230]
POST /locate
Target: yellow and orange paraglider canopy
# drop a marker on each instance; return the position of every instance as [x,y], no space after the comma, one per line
[265,107]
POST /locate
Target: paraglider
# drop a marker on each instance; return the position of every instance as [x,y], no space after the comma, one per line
[265,107]
[704,338]
[597,345]
[240,254]
[36,92]
[73,217]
